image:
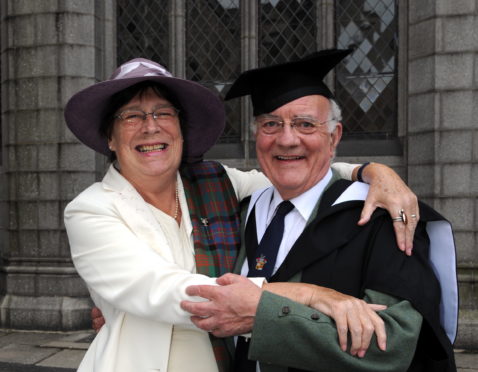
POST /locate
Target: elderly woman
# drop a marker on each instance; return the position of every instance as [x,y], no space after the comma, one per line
[160,220]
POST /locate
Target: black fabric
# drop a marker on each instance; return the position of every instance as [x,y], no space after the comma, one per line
[273,86]
[333,251]
[241,361]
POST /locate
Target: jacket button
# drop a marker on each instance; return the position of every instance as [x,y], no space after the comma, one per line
[285,310]
[315,316]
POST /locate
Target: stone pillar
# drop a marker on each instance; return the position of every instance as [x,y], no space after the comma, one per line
[50,49]
[442,131]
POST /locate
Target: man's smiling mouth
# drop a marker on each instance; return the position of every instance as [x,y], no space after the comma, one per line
[295,157]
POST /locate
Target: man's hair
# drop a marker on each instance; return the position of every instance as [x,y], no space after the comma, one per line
[335,116]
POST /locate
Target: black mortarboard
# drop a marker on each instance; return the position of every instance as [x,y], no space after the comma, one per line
[274,86]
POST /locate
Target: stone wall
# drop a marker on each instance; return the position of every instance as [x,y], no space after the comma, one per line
[442,131]
[50,49]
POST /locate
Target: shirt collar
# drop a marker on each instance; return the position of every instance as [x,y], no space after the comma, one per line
[306,201]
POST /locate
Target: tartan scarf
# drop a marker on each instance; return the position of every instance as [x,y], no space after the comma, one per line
[215,217]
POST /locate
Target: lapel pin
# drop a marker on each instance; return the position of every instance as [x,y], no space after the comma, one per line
[260,262]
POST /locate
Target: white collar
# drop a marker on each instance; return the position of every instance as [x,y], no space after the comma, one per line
[306,201]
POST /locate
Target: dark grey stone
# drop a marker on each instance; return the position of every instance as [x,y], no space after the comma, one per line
[421,10]
[49,186]
[27,215]
[457,180]
[421,148]
[421,77]
[49,242]
[456,33]
[48,157]
[422,38]
[74,183]
[459,211]
[421,120]
[465,242]
[27,187]
[77,157]
[448,76]
[424,180]
[25,354]
[457,108]
[455,146]
[456,7]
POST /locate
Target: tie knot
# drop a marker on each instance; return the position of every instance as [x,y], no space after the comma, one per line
[285,207]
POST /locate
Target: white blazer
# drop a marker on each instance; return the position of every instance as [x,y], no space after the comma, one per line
[121,253]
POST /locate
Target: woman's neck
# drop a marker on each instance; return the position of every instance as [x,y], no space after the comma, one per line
[161,192]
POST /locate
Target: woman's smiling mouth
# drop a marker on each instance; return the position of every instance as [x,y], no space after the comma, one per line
[150,148]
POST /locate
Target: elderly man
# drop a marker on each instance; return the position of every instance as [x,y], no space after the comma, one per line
[303,229]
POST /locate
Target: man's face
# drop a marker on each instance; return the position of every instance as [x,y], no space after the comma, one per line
[294,162]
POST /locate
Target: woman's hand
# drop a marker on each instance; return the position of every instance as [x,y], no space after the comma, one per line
[97,320]
[388,191]
[349,313]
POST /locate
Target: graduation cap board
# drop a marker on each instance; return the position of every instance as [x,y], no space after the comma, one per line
[274,86]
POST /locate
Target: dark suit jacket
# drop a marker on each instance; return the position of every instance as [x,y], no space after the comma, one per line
[334,252]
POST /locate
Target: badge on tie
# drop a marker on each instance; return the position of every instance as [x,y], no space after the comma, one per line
[266,252]
[260,262]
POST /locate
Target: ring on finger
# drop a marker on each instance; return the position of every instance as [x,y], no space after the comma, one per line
[404,216]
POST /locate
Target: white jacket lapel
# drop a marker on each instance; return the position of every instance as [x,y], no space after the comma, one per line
[135,212]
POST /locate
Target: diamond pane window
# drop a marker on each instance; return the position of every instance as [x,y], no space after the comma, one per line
[213,53]
[142,30]
[366,83]
[287,30]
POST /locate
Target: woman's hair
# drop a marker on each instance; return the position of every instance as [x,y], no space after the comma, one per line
[123,97]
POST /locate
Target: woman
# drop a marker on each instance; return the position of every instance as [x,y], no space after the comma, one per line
[132,234]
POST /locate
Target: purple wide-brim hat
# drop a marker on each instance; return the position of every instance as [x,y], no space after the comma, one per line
[202,110]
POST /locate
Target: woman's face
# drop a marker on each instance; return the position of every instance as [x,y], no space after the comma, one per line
[154,146]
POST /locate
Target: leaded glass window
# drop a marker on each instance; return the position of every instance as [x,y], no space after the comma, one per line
[213,53]
[287,30]
[366,83]
[142,29]
[220,38]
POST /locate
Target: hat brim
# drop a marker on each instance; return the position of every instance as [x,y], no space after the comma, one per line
[203,113]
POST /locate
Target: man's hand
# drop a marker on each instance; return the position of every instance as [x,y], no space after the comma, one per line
[231,307]
[97,320]
[350,314]
[388,191]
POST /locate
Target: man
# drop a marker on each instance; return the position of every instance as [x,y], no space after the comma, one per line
[298,128]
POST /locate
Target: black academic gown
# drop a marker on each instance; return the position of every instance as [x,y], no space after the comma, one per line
[333,251]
